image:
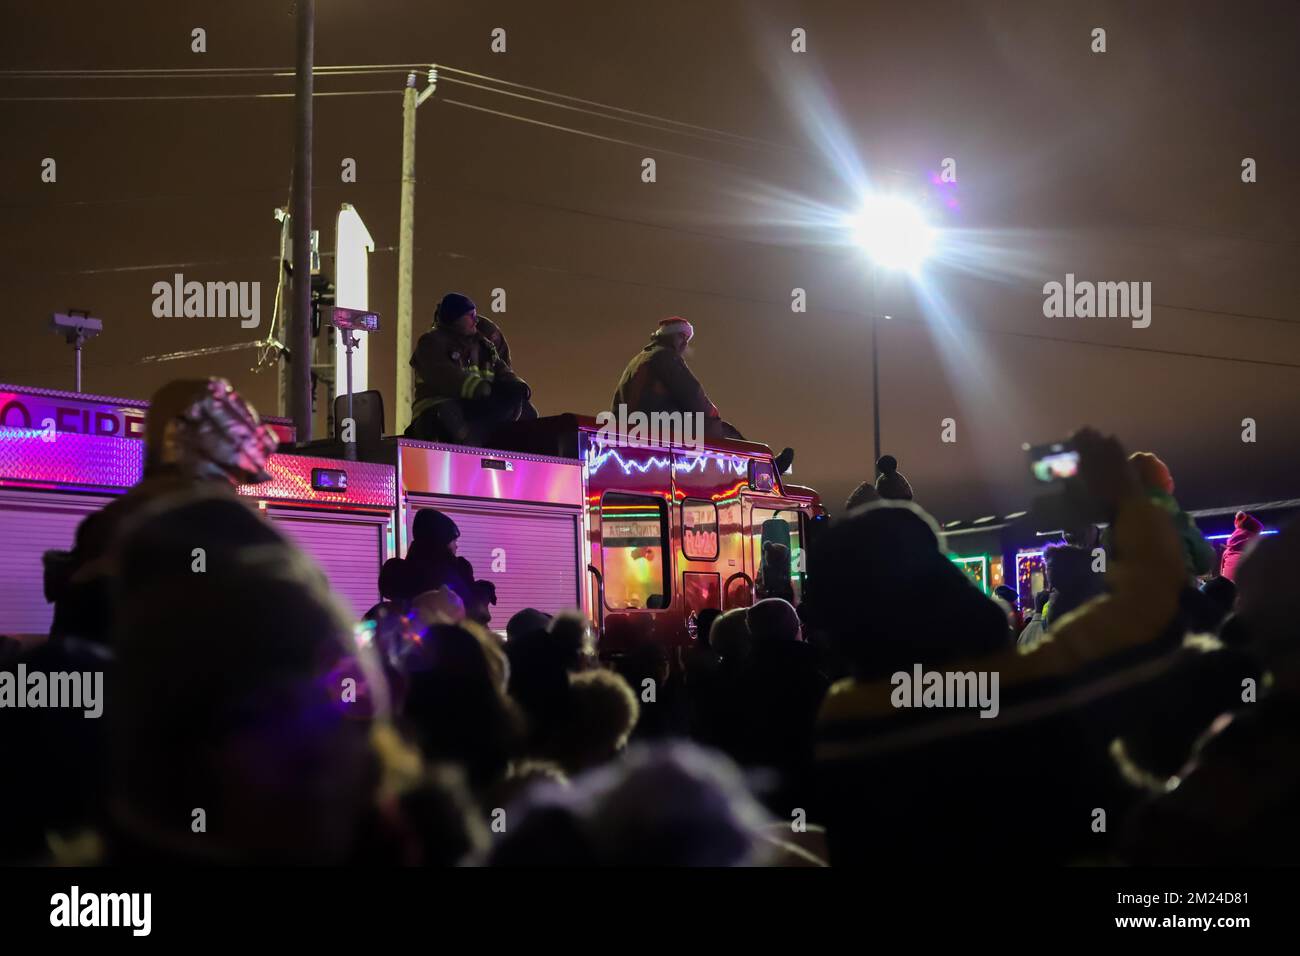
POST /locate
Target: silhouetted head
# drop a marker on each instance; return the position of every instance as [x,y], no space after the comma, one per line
[526,621]
[230,691]
[455,707]
[672,804]
[773,619]
[729,636]
[889,597]
[863,494]
[433,529]
[395,581]
[891,484]
[703,622]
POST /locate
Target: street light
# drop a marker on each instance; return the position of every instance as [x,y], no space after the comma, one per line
[893,233]
[895,237]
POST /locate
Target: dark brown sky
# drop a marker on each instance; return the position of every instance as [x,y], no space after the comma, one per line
[1122,166]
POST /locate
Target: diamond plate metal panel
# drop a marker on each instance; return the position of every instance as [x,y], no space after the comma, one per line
[369,484]
[31,456]
[25,406]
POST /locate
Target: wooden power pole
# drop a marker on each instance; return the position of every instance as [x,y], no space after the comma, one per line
[299,337]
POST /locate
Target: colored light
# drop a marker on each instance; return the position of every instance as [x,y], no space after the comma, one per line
[1220,537]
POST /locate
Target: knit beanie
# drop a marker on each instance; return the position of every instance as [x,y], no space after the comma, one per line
[891,484]
[451,308]
[434,527]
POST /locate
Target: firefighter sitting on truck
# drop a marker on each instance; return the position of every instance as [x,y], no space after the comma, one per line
[659,380]
[464,386]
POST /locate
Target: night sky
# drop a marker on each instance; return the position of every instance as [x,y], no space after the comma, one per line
[1122,166]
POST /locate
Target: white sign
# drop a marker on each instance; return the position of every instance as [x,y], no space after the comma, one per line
[352,247]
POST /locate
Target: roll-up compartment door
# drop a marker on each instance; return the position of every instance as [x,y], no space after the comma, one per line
[531,555]
[349,549]
[30,526]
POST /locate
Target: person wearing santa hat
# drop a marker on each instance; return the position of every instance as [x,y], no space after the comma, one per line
[659,380]
[1245,529]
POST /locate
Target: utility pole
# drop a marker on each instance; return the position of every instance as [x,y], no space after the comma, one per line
[411,99]
[299,338]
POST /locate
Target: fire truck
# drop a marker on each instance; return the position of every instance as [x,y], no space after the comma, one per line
[641,537]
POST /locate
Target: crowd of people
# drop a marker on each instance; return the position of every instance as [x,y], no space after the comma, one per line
[1145,714]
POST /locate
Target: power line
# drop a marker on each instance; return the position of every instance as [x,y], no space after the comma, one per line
[183,265]
[726,136]
[1139,348]
[1202,234]
[212,195]
[149,72]
[1234,315]
[621,119]
[617,109]
[187,96]
[400,68]
[547,98]
[579,132]
[197,73]
[394,68]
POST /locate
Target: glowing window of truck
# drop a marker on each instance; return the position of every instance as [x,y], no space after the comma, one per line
[633,543]
[699,529]
[791,517]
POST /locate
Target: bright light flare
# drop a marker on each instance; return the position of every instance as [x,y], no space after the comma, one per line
[893,233]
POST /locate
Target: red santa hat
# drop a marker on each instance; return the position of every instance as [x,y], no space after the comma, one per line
[675,325]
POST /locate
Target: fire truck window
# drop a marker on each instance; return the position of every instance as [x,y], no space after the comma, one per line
[700,530]
[762,476]
[740,592]
[633,541]
[700,590]
[783,529]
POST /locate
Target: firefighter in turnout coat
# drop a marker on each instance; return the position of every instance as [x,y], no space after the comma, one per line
[659,380]
[464,387]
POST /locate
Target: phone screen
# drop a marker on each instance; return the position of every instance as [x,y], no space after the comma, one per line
[1054,462]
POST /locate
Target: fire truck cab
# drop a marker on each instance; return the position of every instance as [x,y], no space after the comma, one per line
[668,531]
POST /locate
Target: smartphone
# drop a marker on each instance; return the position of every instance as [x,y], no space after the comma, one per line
[1053,462]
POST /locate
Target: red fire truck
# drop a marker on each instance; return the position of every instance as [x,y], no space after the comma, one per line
[641,538]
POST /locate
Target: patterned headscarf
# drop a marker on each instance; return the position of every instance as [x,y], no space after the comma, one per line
[221,435]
